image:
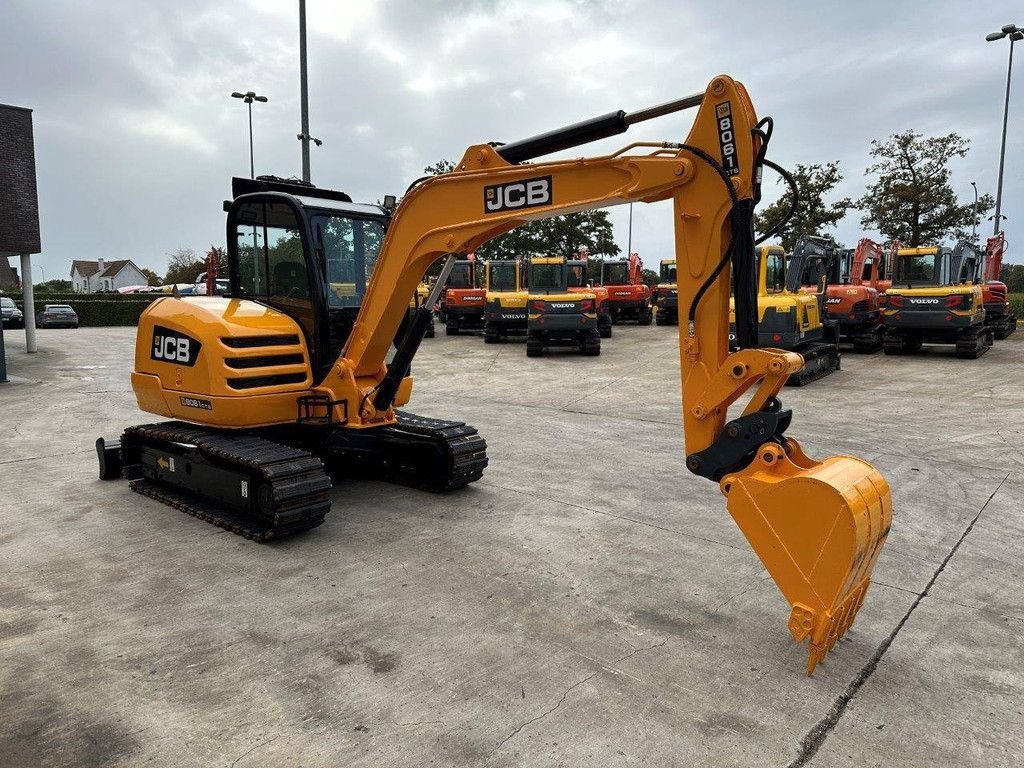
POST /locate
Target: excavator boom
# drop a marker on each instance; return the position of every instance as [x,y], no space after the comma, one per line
[817,526]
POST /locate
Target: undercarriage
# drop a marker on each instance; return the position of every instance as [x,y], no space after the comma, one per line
[267,484]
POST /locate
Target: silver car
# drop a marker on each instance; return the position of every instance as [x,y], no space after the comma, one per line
[57,316]
[12,316]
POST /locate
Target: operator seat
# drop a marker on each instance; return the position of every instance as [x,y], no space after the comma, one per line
[290,280]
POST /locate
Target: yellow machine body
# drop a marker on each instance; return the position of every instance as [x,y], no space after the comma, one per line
[559,296]
[974,315]
[791,317]
[512,299]
[817,526]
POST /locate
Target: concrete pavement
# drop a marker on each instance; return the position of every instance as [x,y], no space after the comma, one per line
[589,602]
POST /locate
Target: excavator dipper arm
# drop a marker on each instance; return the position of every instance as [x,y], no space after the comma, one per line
[818,526]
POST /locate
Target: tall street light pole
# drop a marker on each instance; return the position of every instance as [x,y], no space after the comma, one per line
[249,97]
[974,225]
[1015,33]
[304,137]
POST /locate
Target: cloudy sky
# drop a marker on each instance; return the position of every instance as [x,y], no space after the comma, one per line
[137,137]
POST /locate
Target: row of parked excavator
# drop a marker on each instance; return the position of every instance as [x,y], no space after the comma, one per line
[819,299]
[549,300]
[816,300]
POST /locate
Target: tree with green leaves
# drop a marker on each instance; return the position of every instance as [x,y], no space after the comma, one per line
[813,214]
[1013,276]
[183,266]
[912,198]
[441,166]
[152,278]
[558,236]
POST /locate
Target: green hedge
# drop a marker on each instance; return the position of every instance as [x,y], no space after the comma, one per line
[1017,305]
[64,297]
[96,310]
[93,314]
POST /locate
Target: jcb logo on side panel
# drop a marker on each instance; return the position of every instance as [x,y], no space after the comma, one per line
[727,138]
[174,347]
[528,193]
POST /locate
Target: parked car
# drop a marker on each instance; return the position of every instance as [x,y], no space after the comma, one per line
[57,316]
[12,316]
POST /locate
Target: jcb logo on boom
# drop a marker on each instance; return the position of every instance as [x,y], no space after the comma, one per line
[528,193]
[173,347]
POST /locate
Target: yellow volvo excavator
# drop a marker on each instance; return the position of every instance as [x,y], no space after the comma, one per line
[287,372]
[505,300]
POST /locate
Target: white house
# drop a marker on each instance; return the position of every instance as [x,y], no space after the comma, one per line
[100,275]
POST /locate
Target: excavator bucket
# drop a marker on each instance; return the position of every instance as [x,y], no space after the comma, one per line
[818,527]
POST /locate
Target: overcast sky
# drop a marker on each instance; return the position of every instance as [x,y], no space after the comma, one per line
[137,136]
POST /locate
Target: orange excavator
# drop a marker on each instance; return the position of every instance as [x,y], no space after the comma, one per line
[854,302]
[291,374]
[628,297]
[463,301]
[998,316]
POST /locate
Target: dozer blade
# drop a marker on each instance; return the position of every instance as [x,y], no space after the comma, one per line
[818,527]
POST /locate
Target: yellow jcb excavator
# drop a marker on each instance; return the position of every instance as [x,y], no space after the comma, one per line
[287,373]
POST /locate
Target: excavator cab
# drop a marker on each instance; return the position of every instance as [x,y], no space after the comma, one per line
[307,253]
[505,300]
[666,295]
[462,303]
[628,297]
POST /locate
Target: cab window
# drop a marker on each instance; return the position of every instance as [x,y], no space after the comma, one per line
[502,276]
[616,273]
[577,276]
[271,260]
[546,277]
[350,247]
[775,272]
[460,277]
[922,269]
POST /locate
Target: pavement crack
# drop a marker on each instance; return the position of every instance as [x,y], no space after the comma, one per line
[811,743]
[742,592]
[635,651]
[541,716]
[417,722]
[253,749]
[893,586]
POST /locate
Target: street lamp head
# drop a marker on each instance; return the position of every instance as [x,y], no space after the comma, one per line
[1009,29]
[259,98]
[237,95]
[1015,36]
